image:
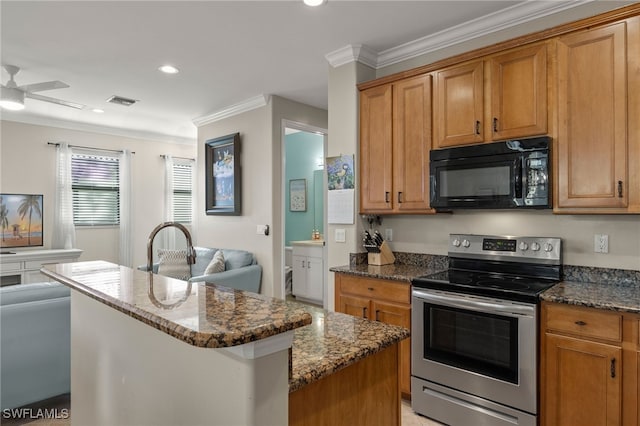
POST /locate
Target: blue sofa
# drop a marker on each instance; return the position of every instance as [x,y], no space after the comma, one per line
[35,351]
[241,272]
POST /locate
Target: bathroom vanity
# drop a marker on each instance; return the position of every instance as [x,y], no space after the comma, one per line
[308,270]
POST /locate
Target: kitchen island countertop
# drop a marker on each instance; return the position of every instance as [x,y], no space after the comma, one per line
[215,317]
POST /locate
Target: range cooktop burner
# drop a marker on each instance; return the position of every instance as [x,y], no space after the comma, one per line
[510,268]
[500,286]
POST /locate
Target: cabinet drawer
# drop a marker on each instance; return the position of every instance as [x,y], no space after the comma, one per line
[376,289]
[585,322]
[11,266]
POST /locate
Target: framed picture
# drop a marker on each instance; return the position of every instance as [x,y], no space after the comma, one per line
[223,186]
[298,195]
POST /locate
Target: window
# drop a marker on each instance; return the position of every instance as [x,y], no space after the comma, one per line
[182,178]
[95,180]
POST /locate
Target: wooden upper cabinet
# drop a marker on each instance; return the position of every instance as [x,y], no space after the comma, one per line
[411,143]
[592,119]
[395,140]
[376,149]
[518,87]
[503,96]
[458,109]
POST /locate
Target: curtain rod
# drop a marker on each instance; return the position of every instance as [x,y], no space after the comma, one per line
[89,147]
[181,158]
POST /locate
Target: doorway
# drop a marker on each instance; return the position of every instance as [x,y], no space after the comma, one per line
[304,195]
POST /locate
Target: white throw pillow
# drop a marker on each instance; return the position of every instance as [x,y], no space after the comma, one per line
[216,265]
[173,263]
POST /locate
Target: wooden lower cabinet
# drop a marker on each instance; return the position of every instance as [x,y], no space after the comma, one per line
[589,367]
[379,300]
[582,371]
[365,393]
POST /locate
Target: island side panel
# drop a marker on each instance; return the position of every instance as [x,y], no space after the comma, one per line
[126,373]
[367,393]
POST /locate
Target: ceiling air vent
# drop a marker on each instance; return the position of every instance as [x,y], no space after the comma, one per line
[121,100]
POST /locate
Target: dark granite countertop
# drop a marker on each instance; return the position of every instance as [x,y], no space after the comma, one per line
[213,316]
[388,272]
[334,341]
[207,316]
[406,267]
[622,297]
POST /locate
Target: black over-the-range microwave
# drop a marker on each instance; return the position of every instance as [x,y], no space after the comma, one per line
[498,175]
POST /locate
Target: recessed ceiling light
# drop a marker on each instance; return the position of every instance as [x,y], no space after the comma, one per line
[314,2]
[169,69]
[98,110]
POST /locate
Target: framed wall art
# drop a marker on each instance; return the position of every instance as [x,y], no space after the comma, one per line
[298,195]
[223,183]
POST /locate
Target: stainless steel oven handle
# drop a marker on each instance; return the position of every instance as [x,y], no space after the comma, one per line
[476,305]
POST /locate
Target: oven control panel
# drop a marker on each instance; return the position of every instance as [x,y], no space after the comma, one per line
[520,249]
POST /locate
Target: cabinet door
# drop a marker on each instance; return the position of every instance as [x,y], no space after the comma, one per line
[459,105]
[401,316]
[315,281]
[592,119]
[411,143]
[299,276]
[583,385]
[353,305]
[376,149]
[518,82]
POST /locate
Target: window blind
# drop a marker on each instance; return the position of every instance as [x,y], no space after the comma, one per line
[182,198]
[96,192]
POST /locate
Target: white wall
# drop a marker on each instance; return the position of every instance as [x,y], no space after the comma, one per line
[261,162]
[27,164]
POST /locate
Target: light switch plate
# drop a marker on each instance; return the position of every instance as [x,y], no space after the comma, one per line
[340,236]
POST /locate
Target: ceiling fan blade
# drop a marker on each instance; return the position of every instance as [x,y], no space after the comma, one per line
[39,87]
[54,100]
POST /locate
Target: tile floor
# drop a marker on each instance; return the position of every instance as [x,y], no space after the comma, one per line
[409,418]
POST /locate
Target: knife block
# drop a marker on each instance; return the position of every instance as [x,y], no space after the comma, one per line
[385,257]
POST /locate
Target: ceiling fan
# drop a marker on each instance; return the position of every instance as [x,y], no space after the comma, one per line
[12,96]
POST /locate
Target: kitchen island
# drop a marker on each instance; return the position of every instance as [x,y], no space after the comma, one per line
[148,349]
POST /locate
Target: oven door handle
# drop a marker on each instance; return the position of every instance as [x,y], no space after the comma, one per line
[476,305]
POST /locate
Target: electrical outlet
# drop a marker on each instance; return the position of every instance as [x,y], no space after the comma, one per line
[601,243]
[388,234]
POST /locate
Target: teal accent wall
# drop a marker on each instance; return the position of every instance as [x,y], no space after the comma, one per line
[303,151]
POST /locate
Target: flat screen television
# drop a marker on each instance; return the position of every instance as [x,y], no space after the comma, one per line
[21,220]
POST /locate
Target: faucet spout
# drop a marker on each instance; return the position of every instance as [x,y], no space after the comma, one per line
[191,253]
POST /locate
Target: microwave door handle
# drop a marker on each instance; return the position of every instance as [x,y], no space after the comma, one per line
[517,178]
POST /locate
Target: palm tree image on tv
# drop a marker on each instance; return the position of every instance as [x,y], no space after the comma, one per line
[29,204]
[4,217]
[21,220]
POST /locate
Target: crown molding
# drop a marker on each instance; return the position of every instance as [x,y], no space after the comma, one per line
[494,22]
[95,128]
[353,53]
[491,23]
[244,106]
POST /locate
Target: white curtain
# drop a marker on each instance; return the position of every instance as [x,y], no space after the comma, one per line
[194,193]
[126,199]
[64,231]
[168,235]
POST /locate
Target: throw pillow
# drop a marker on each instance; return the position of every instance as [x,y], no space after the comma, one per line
[173,263]
[216,265]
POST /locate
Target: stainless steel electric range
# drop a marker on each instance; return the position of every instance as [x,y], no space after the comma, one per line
[475,330]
